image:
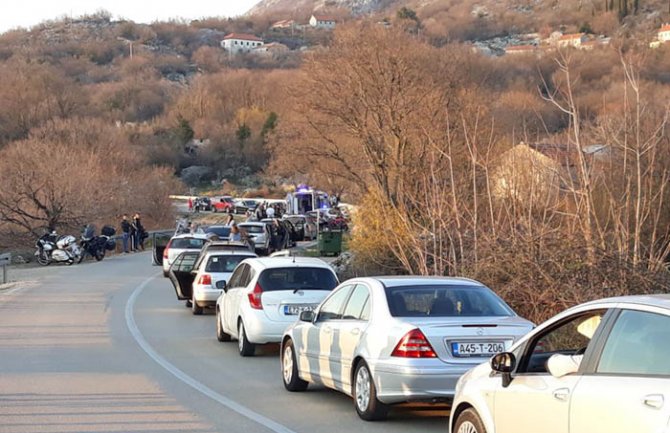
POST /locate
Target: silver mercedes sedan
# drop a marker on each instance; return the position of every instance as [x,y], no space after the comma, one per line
[386,340]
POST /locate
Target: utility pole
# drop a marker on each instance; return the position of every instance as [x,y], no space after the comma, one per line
[129,42]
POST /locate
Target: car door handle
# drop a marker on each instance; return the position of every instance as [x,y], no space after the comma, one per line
[654,400]
[561,394]
[355,331]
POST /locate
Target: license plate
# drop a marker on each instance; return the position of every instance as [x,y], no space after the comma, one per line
[480,348]
[294,310]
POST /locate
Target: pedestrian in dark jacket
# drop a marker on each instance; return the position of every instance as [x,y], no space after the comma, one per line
[140,233]
[125,230]
[133,235]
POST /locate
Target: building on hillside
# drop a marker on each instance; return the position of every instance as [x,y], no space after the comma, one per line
[322,21]
[273,49]
[236,43]
[574,40]
[521,49]
[595,43]
[662,36]
[283,24]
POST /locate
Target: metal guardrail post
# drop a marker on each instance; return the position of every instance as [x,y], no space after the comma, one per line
[5,260]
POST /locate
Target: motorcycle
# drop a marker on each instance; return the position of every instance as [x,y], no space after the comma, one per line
[96,246]
[52,248]
[91,244]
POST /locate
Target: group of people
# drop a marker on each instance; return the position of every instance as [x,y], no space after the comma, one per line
[133,233]
[266,210]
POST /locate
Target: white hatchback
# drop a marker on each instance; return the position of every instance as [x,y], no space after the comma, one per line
[265,295]
[198,277]
[180,243]
[603,366]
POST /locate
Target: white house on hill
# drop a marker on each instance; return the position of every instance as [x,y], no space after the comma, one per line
[662,36]
[572,40]
[240,42]
[322,21]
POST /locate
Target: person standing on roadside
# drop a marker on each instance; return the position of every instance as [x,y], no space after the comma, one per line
[260,210]
[231,220]
[235,235]
[125,230]
[133,235]
[140,233]
[190,204]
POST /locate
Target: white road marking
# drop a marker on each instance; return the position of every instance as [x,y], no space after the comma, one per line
[188,380]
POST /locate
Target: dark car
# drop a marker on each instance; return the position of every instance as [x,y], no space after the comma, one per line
[222,232]
[299,223]
[203,203]
[251,205]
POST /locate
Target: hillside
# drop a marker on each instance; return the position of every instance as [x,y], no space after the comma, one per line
[480,19]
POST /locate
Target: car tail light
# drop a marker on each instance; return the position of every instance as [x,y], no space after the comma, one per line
[205,280]
[165,251]
[414,345]
[255,297]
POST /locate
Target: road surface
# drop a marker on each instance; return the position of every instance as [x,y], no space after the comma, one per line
[106,347]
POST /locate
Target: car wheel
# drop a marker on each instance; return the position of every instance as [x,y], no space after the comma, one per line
[221,335]
[195,309]
[245,347]
[365,395]
[469,422]
[289,369]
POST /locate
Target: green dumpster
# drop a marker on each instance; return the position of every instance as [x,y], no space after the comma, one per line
[330,242]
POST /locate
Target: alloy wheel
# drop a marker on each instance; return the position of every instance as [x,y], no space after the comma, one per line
[363,389]
[287,363]
[467,427]
[240,338]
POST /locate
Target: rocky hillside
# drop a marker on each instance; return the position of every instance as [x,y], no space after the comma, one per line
[269,7]
[482,19]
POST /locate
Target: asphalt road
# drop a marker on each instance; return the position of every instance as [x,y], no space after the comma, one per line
[106,347]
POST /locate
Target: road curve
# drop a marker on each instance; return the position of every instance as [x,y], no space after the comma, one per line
[106,347]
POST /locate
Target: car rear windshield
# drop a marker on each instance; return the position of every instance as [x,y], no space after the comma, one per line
[445,301]
[224,263]
[187,243]
[220,231]
[297,279]
[253,229]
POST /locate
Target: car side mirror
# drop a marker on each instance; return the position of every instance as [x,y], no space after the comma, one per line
[307,316]
[221,285]
[504,363]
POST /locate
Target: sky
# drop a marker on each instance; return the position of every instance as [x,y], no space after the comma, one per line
[27,13]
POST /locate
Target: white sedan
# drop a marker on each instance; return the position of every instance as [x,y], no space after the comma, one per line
[265,295]
[598,367]
[388,340]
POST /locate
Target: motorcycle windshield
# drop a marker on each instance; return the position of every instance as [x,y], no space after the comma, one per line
[89,232]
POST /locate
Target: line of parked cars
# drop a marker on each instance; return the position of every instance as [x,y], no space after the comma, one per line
[598,367]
